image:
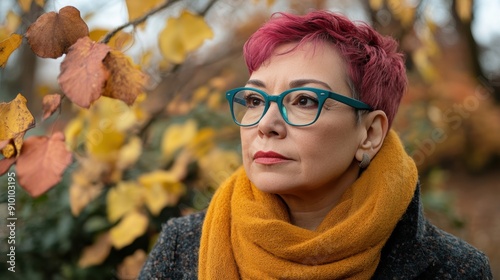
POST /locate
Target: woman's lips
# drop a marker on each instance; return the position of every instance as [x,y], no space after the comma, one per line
[268,158]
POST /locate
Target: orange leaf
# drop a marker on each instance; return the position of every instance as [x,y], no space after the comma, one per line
[50,104]
[53,33]
[15,118]
[132,265]
[8,46]
[5,164]
[96,253]
[126,81]
[42,162]
[83,75]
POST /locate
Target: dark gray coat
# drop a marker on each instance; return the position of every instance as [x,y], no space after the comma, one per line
[416,250]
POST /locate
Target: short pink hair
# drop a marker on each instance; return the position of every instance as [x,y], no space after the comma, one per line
[376,69]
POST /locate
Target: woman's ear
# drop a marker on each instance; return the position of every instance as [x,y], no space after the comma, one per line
[375,126]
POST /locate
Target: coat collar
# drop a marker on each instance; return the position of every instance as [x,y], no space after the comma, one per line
[406,251]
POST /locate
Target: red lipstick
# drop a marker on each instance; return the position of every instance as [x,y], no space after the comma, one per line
[268,158]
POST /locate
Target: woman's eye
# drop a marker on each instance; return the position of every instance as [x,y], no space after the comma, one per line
[254,101]
[306,101]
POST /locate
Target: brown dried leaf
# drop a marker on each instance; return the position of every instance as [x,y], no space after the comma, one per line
[126,80]
[96,253]
[42,162]
[8,46]
[132,265]
[50,103]
[51,35]
[83,74]
[5,164]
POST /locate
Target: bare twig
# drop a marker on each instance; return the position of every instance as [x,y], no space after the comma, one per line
[138,21]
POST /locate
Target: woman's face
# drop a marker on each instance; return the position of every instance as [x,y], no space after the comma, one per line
[310,160]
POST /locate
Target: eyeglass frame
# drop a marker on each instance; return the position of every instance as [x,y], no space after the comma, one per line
[322,95]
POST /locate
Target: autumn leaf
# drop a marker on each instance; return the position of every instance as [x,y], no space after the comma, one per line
[5,164]
[119,41]
[162,188]
[129,153]
[96,253]
[183,35]
[15,118]
[137,9]
[83,75]
[177,136]
[218,165]
[8,46]
[122,199]
[51,35]
[50,103]
[376,4]
[42,162]
[25,5]
[126,80]
[14,146]
[132,265]
[464,9]
[133,225]
[86,184]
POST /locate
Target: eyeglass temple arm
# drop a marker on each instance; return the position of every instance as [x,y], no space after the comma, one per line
[350,101]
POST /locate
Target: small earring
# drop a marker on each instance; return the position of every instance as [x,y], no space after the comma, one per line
[365,161]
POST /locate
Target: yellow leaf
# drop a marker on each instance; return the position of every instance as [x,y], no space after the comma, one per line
[464,9]
[126,197]
[8,151]
[96,253]
[376,4]
[270,2]
[218,165]
[40,3]
[72,131]
[81,195]
[15,118]
[129,153]
[203,142]
[183,35]
[25,5]
[119,41]
[8,46]
[132,265]
[13,21]
[162,188]
[424,66]
[137,8]
[177,136]
[133,225]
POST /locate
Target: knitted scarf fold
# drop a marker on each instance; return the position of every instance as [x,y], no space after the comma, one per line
[247,234]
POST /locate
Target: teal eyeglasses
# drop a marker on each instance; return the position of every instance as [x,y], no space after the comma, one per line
[298,106]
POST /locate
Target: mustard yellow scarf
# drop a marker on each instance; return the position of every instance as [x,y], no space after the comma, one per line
[247,233]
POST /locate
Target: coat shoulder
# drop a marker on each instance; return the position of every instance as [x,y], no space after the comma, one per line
[175,254]
[454,258]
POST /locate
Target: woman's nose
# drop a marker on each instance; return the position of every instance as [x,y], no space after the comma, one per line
[272,123]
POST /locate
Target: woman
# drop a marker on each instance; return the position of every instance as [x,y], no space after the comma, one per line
[326,190]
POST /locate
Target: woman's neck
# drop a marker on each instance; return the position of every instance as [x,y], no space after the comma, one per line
[308,209]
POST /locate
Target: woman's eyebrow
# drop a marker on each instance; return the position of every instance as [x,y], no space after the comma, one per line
[292,84]
[257,83]
[302,82]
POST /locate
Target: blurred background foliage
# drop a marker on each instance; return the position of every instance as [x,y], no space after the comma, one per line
[135,167]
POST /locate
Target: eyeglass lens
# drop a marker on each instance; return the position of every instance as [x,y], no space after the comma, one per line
[298,107]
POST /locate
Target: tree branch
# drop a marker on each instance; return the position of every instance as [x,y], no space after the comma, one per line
[137,21]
